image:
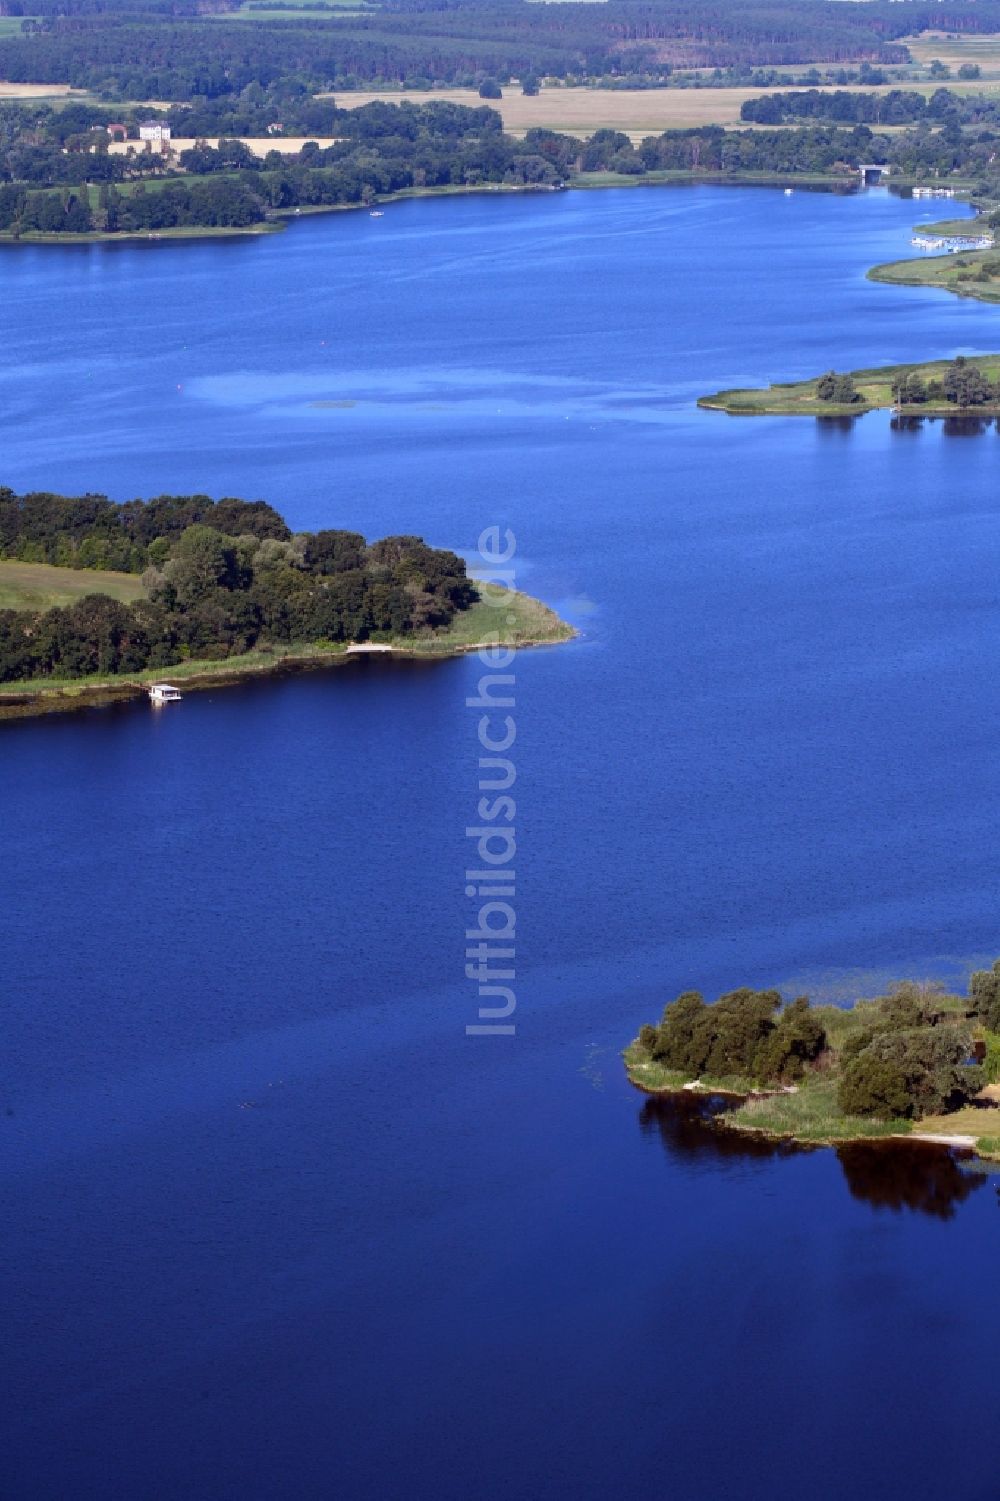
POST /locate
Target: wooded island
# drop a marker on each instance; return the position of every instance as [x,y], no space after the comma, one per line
[915,1059]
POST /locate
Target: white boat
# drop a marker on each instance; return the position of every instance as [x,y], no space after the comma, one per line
[789,192]
[164,693]
[377,213]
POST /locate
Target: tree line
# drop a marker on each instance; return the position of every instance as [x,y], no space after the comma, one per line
[175,52]
[220,579]
[895,107]
[963,384]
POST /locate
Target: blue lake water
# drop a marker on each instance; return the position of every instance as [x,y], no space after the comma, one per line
[273,1224]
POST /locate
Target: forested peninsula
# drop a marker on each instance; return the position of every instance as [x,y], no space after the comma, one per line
[916,1060]
[97,596]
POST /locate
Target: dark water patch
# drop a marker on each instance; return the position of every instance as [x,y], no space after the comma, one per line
[967,426]
[925,1178]
[687,1125]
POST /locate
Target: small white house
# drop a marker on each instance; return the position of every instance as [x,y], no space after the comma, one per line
[155,133]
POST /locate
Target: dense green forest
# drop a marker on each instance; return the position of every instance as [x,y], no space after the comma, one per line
[178,51]
[221,578]
[913,1052]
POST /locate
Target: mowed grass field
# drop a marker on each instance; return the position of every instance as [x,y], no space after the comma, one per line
[36,586]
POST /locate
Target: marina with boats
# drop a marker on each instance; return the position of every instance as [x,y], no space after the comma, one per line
[952,244]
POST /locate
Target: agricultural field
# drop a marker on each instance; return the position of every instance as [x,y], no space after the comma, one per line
[37,586]
[636,112]
[328,9]
[39,90]
[953,51]
[581,111]
[259,145]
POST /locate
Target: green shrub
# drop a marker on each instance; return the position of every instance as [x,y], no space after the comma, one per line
[838,389]
[648,1038]
[873,1086]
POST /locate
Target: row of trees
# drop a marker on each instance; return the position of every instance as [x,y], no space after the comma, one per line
[896,107]
[904,1056]
[214,595]
[963,385]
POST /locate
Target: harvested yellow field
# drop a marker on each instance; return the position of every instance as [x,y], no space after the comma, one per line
[581,111]
[259,145]
[39,91]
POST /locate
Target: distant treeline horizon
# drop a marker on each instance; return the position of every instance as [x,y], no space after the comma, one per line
[179,50]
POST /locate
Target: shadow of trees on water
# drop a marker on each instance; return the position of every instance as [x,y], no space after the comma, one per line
[921,1177]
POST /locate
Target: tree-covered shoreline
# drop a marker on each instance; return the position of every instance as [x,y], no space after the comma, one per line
[960,387]
[220,578]
[59,177]
[820,1073]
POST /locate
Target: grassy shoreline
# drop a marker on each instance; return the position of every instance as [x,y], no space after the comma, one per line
[808,1116]
[972,273]
[874,386]
[501,616]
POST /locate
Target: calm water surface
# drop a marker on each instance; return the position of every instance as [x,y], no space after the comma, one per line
[273,1226]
